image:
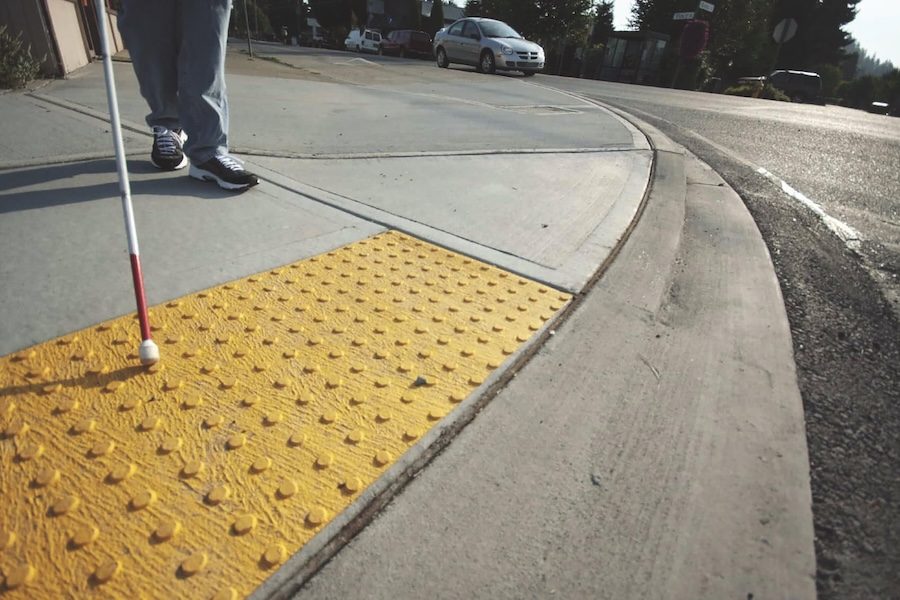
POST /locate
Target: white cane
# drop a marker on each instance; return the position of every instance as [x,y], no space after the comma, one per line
[148,352]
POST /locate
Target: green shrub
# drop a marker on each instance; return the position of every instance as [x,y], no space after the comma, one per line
[773,93]
[831,78]
[745,89]
[751,90]
[593,62]
[17,66]
[260,26]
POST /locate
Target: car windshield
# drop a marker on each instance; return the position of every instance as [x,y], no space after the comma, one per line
[497,29]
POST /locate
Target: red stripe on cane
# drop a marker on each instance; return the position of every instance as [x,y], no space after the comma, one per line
[139,296]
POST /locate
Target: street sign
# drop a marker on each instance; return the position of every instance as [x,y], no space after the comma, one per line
[707,6]
[683,16]
[785,30]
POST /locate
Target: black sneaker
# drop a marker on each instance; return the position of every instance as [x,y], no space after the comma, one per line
[225,170]
[167,153]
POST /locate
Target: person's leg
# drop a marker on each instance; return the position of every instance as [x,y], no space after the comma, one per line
[152,36]
[150,32]
[202,99]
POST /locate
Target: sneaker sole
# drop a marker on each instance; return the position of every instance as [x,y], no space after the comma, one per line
[181,165]
[202,175]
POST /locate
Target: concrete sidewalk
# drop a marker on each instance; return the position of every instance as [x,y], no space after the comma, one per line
[671,382]
[538,195]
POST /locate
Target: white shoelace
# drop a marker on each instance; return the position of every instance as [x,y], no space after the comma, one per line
[168,141]
[230,163]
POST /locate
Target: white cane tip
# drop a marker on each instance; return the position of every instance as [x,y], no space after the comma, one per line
[149,352]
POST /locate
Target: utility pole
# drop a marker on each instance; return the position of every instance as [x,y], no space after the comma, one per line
[247,25]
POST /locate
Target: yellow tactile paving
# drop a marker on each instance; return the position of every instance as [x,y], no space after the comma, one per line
[279,398]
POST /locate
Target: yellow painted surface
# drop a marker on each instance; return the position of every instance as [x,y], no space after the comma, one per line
[279,398]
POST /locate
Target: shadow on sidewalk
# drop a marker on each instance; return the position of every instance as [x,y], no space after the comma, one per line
[146,181]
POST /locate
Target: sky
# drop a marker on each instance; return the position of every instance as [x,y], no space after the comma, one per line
[876,27]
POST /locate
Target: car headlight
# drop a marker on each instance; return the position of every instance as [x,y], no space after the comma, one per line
[506,50]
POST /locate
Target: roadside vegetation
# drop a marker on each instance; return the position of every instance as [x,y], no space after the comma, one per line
[17,66]
[861,92]
[767,92]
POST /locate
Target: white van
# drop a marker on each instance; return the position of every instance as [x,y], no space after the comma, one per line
[316,35]
[365,41]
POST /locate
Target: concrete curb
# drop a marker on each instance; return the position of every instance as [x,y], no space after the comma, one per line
[659,435]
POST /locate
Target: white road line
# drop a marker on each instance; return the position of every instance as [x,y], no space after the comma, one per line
[848,234]
[355,61]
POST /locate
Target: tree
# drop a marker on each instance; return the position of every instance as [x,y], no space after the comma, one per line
[740,39]
[857,93]
[360,10]
[831,78]
[280,12]
[890,90]
[868,64]
[257,17]
[415,14]
[653,15]
[820,37]
[333,15]
[602,22]
[284,13]
[861,92]
[436,19]
[549,21]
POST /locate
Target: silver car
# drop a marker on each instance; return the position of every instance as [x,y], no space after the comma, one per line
[488,45]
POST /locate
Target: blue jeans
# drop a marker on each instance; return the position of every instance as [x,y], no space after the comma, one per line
[177,49]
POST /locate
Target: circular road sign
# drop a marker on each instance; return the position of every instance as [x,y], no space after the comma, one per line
[785,30]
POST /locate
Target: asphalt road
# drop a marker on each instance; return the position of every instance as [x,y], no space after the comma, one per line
[842,296]
[845,160]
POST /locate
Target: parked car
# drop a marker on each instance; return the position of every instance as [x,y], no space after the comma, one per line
[879,108]
[389,47]
[367,40]
[313,35]
[799,86]
[407,42]
[489,45]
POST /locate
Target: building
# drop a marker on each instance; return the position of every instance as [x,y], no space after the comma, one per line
[451,11]
[64,32]
[633,57]
[387,15]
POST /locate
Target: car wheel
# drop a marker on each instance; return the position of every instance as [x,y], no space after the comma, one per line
[798,97]
[442,60]
[528,73]
[487,63]
[380,51]
[357,48]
